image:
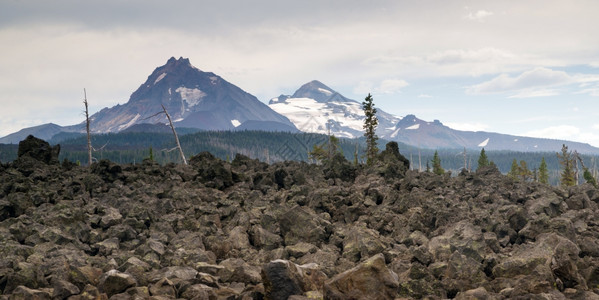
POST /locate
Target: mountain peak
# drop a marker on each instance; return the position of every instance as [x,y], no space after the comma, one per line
[315,90]
[175,64]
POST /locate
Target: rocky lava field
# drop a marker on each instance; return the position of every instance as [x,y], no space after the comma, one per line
[250,230]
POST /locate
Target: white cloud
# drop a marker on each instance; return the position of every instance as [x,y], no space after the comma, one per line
[529,82]
[387,86]
[424,96]
[391,86]
[568,133]
[455,62]
[532,93]
[363,88]
[479,15]
[561,132]
[592,92]
[589,137]
[454,56]
[467,126]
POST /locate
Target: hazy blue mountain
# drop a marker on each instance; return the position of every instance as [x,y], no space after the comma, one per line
[45,131]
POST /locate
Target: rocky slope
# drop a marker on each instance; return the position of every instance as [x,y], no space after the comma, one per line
[248,230]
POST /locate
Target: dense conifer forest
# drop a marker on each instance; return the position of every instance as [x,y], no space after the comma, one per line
[133,147]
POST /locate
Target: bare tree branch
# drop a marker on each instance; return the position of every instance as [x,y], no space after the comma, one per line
[175,133]
[89,142]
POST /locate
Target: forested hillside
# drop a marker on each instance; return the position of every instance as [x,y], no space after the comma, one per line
[133,147]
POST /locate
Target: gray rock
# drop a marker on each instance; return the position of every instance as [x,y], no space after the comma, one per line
[370,279]
[63,289]
[25,293]
[283,279]
[114,282]
[299,224]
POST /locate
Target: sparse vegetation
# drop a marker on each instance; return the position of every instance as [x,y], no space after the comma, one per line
[370,124]
[437,168]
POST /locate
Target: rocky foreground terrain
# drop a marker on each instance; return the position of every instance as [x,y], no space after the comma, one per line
[249,230]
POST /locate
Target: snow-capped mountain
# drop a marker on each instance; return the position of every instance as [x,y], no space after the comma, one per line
[204,100]
[315,107]
[194,99]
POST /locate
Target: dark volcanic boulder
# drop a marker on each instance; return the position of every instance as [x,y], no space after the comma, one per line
[39,150]
[391,163]
[114,282]
[283,278]
[212,171]
[369,280]
[300,224]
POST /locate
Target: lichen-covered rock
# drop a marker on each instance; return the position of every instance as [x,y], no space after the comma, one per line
[370,279]
[114,282]
[300,224]
[25,293]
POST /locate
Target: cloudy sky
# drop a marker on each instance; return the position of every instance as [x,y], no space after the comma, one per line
[518,67]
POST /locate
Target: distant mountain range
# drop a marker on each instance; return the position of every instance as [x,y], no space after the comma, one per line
[198,100]
[317,108]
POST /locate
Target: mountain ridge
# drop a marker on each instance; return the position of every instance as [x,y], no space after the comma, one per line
[205,101]
[317,108]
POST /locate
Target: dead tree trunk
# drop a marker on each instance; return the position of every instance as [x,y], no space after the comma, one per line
[89,141]
[175,133]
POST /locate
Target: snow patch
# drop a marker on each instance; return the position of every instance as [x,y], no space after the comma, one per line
[515,140]
[413,127]
[235,123]
[308,115]
[159,78]
[213,80]
[192,96]
[394,134]
[325,91]
[124,126]
[484,143]
[178,120]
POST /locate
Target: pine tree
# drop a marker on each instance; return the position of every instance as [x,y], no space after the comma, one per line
[437,169]
[514,171]
[483,160]
[589,177]
[523,171]
[543,172]
[325,152]
[567,163]
[370,124]
[151,154]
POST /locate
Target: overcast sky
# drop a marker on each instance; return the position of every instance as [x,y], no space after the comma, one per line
[518,67]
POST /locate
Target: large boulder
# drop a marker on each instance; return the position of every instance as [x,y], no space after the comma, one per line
[114,282]
[370,279]
[283,279]
[39,150]
[550,261]
[300,224]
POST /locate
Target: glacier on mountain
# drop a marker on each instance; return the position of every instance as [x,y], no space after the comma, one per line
[191,96]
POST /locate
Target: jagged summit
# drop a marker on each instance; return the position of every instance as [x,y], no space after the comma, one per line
[193,98]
